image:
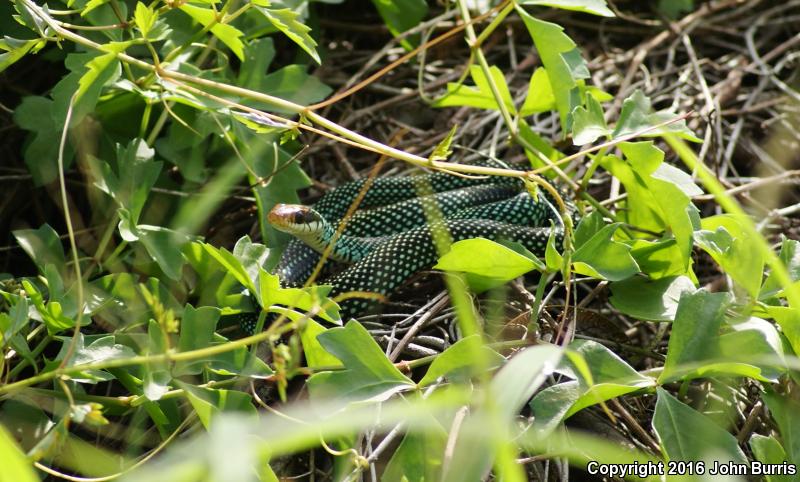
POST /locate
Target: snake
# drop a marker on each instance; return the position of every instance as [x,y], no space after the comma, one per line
[391,237]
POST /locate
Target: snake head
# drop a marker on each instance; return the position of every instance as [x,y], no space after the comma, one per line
[295,219]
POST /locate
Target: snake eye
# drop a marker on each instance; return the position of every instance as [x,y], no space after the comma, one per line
[304,216]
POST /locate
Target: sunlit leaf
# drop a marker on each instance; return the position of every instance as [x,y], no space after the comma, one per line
[285,20]
[457,360]
[588,123]
[540,94]
[734,249]
[228,34]
[16,466]
[602,257]
[145,17]
[637,114]
[368,374]
[596,7]
[553,45]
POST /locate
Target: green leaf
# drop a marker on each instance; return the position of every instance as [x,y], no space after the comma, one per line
[228,34]
[16,49]
[91,5]
[654,300]
[552,258]
[51,313]
[419,456]
[163,245]
[659,259]
[35,114]
[727,241]
[251,256]
[285,20]
[790,256]
[197,331]
[561,59]
[768,450]
[486,258]
[602,257]
[43,246]
[674,8]
[16,466]
[130,183]
[104,348]
[234,267]
[401,15]
[610,377]
[145,18]
[368,374]
[747,344]
[540,96]
[521,377]
[258,54]
[458,360]
[157,376]
[311,299]
[686,434]
[208,403]
[442,150]
[588,123]
[658,194]
[13,321]
[789,320]
[595,7]
[316,356]
[481,95]
[637,114]
[695,331]
[102,69]
[786,413]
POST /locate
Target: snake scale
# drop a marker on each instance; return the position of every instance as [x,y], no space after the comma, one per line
[389,238]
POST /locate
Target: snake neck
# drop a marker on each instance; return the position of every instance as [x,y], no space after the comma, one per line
[342,247]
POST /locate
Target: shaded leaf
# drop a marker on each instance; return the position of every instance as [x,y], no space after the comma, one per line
[43,246]
[401,15]
[521,377]
[768,450]
[654,300]
[209,403]
[686,434]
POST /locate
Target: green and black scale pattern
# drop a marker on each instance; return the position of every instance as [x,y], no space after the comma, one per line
[392,205]
[389,238]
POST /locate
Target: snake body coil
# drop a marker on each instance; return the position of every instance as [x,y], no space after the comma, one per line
[389,238]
